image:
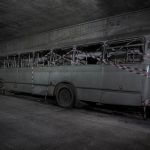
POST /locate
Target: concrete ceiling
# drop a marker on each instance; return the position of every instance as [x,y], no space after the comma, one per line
[25,17]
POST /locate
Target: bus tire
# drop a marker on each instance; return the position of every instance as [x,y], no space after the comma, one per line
[65,95]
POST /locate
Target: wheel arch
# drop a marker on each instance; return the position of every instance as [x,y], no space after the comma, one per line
[67,83]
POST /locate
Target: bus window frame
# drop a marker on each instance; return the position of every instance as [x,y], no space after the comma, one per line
[142,39]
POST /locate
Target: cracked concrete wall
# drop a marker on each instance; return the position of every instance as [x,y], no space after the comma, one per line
[125,25]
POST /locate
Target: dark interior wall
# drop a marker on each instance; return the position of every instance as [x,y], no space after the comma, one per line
[130,24]
[26,17]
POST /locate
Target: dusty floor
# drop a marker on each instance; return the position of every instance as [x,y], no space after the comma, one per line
[31,125]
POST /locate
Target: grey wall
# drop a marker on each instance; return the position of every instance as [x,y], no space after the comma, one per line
[131,24]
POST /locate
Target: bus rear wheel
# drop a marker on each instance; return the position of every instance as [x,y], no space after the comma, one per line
[65,96]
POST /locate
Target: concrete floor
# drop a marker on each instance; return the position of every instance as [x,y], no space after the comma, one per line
[31,125]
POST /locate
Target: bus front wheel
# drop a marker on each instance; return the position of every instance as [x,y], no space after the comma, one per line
[65,95]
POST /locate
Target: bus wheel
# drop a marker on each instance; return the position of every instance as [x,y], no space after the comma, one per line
[65,96]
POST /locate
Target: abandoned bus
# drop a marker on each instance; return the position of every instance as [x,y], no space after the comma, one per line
[110,72]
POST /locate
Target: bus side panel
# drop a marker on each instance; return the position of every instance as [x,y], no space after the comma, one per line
[146,91]
[123,80]
[59,75]
[86,79]
[118,98]
[88,95]
[9,77]
[121,87]
[41,81]
[3,75]
[24,81]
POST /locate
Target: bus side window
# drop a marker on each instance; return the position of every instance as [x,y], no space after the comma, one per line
[92,53]
[125,51]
